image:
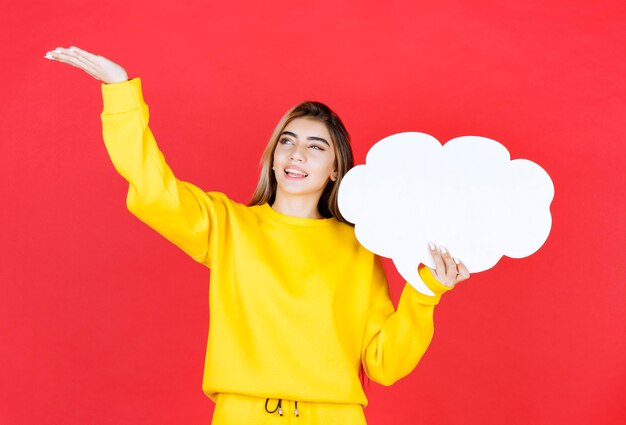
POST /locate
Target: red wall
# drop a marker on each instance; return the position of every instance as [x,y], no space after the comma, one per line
[103,322]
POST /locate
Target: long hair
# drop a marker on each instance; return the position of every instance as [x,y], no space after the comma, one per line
[344,160]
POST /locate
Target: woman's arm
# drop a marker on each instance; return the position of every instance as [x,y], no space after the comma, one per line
[395,341]
[179,211]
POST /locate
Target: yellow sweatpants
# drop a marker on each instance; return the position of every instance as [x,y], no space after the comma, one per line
[235,409]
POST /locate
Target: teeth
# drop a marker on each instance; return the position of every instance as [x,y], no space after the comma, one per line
[291,171]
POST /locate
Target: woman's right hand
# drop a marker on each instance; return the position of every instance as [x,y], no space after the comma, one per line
[97,66]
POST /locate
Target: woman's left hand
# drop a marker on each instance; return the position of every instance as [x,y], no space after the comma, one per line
[449,270]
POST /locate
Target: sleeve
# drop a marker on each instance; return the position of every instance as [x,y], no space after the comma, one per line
[395,341]
[179,211]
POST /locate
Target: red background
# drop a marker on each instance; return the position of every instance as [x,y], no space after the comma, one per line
[104,322]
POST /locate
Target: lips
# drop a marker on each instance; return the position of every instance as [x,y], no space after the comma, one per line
[295,172]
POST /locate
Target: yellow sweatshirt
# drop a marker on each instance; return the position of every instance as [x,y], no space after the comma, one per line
[296,304]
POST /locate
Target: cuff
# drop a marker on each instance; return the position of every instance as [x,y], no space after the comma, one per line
[122,97]
[433,284]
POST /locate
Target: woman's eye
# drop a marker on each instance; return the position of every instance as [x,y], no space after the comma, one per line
[285,141]
[319,148]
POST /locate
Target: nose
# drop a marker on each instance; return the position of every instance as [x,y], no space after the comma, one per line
[298,153]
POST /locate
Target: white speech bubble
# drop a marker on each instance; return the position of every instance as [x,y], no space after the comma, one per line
[467,195]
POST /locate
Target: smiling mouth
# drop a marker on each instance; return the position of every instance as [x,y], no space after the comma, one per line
[291,172]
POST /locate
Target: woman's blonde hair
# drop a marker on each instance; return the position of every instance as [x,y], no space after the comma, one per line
[266,187]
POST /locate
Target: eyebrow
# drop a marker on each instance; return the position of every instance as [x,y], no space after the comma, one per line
[319,139]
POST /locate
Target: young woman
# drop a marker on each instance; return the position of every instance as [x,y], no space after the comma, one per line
[298,306]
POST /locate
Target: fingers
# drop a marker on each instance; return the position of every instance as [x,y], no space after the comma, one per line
[445,268]
[89,59]
[440,266]
[97,66]
[77,58]
[84,53]
[464,273]
[449,270]
[66,56]
[80,58]
[74,49]
[73,56]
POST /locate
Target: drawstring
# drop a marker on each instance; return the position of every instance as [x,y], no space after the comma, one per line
[279,408]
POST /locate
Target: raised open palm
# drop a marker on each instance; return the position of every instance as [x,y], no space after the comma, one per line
[97,66]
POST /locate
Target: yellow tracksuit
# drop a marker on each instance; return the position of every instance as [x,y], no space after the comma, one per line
[296,304]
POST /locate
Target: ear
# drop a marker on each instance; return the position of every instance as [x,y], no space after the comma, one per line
[333,176]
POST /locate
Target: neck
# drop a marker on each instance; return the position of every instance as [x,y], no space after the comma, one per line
[297,206]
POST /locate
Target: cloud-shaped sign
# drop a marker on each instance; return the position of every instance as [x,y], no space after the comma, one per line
[467,195]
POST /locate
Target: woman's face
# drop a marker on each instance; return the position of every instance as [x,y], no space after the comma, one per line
[304,159]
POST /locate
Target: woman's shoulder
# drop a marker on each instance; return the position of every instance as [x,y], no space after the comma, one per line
[225,200]
[238,210]
[221,205]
